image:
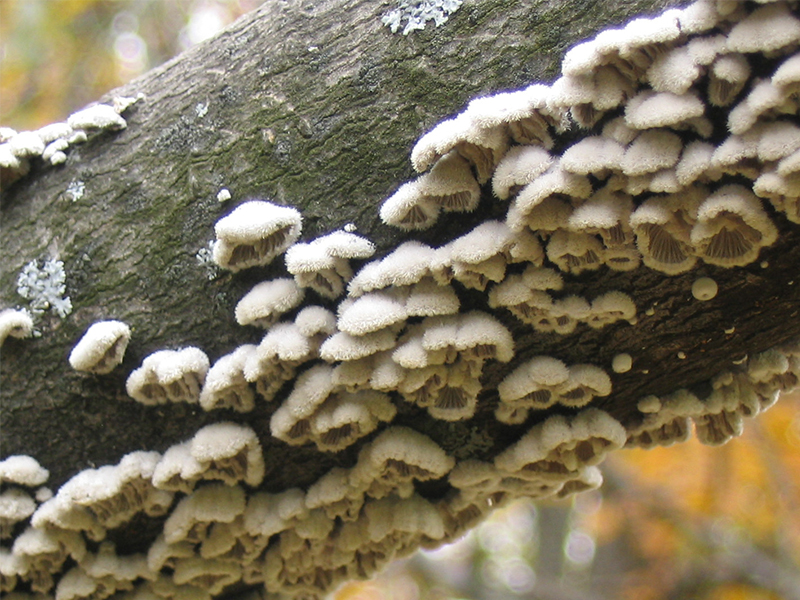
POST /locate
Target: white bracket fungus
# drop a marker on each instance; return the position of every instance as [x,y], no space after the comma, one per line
[264,304]
[15,323]
[194,514]
[559,448]
[15,505]
[255,233]
[230,453]
[22,470]
[99,116]
[544,381]
[225,384]
[169,376]
[397,457]
[322,264]
[101,348]
[732,227]
[449,186]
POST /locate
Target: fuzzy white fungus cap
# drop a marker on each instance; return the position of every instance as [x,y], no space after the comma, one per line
[763,98]
[727,78]
[322,263]
[541,373]
[342,346]
[611,307]
[315,320]
[15,323]
[22,470]
[226,386]
[229,452]
[345,418]
[399,455]
[113,494]
[449,186]
[662,225]
[255,233]
[310,390]
[540,206]
[406,265]
[575,252]
[765,30]
[650,152]
[169,376]
[177,470]
[99,116]
[595,154]
[213,503]
[15,506]
[26,144]
[264,304]
[519,167]
[371,312]
[560,446]
[732,227]
[474,335]
[650,109]
[101,348]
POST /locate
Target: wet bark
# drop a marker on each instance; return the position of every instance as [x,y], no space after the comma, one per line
[316,105]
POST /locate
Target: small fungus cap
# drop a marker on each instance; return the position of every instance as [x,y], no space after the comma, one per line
[101,348]
[23,470]
[99,116]
[262,305]
[255,233]
[15,323]
[232,448]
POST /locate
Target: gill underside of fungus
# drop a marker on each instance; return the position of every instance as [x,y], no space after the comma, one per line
[532,310]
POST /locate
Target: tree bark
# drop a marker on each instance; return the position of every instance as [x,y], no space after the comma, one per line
[317,105]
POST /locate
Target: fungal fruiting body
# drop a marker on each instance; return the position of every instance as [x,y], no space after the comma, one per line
[169,376]
[101,348]
[657,180]
[15,323]
[254,233]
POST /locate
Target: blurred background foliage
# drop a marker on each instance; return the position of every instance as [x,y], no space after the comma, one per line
[60,55]
[679,523]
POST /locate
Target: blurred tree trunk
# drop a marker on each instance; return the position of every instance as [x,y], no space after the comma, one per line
[316,105]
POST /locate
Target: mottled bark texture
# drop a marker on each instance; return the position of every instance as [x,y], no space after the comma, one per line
[316,105]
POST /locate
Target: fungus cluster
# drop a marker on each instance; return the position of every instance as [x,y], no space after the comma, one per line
[646,185]
[52,142]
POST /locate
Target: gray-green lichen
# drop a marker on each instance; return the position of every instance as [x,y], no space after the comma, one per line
[44,287]
[415,15]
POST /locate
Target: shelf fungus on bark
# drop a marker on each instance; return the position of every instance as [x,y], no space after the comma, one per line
[15,323]
[449,186]
[229,452]
[16,505]
[169,376]
[543,382]
[267,301]
[254,233]
[226,385]
[561,446]
[656,179]
[322,264]
[101,348]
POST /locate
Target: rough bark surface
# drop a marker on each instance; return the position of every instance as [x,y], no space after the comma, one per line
[316,105]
